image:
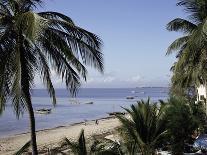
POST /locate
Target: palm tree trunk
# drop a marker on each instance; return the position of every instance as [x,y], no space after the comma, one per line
[25,88]
[32,127]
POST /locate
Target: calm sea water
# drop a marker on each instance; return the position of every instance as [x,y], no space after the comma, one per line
[67,111]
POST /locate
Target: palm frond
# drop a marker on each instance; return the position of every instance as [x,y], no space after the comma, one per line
[79,147]
[45,73]
[182,25]
[56,15]
[177,44]
[23,148]
[145,127]
[82,143]
[196,9]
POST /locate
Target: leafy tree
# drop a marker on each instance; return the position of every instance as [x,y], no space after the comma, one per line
[198,111]
[144,128]
[181,123]
[34,43]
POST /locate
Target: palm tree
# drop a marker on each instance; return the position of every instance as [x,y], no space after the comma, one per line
[34,43]
[144,128]
[78,148]
[97,148]
[190,69]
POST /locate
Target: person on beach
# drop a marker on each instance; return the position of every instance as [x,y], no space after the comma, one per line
[96,122]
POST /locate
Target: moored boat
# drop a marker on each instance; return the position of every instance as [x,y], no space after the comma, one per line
[116,113]
[89,103]
[129,97]
[43,111]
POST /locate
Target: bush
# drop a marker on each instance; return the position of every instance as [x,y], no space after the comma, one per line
[181,123]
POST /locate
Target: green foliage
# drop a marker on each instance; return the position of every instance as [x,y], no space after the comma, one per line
[97,147]
[190,68]
[34,43]
[181,123]
[78,148]
[144,128]
[199,113]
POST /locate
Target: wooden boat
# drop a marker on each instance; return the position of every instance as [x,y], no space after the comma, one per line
[43,111]
[116,113]
[129,97]
[89,103]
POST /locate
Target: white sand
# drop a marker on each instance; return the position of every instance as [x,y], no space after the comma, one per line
[51,137]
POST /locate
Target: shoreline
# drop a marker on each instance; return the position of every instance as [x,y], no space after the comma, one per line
[50,138]
[56,127]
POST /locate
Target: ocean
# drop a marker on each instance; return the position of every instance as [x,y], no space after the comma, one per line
[73,110]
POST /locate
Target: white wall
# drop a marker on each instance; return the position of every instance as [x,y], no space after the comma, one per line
[201,91]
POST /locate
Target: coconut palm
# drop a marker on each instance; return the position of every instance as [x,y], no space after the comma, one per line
[144,128]
[34,43]
[190,69]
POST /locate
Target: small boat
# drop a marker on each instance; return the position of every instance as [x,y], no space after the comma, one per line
[129,97]
[142,92]
[74,101]
[116,113]
[43,111]
[89,103]
[133,92]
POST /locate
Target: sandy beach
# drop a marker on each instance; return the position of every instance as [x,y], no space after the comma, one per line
[50,138]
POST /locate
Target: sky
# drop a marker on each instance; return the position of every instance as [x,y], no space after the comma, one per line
[134,36]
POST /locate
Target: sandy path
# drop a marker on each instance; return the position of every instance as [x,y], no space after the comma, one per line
[49,138]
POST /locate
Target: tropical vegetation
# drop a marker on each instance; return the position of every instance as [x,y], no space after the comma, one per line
[189,71]
[96,148]
[148,127]
[144,128]
[181,124]
[34,44]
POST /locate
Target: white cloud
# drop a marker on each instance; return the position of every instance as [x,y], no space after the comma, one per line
[108,79]
[136,78]
[90,80]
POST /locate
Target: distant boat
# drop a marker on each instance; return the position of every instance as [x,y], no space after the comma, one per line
[89,103]
[133,91]
[129,97]
[43,111]
[116,113]
[74,101]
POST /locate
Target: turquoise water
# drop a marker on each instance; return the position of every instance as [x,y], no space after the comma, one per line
[67,111]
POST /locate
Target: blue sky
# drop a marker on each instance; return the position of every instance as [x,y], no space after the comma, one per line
[134,35]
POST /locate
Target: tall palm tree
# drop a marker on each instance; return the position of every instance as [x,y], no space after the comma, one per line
[144,128]
[34,43]
[190,69]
